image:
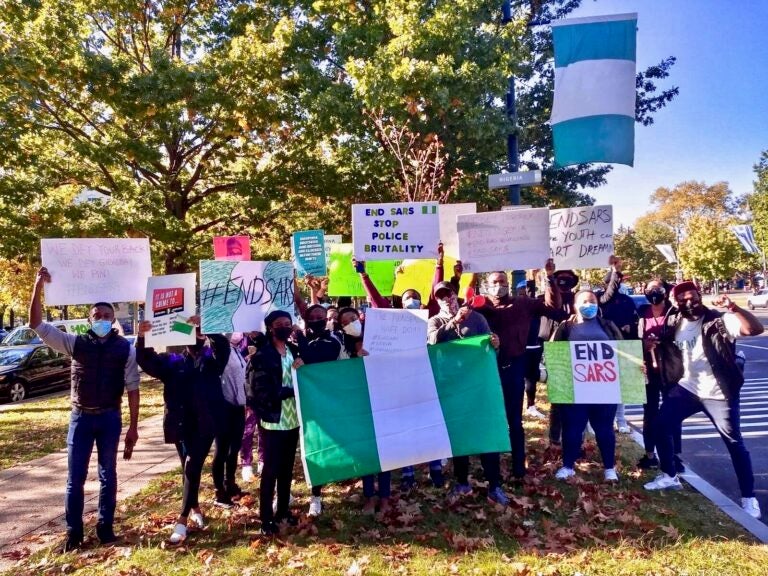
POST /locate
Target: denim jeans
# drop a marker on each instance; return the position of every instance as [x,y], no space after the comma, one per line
[724,415]
[85,430]
[513,386]
[385,485]
[600,417]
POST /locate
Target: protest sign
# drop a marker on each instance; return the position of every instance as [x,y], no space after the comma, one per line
[330,240]
[236,248]
[509,240]
[308,251]
[420,274]
[449,235]
[344,281]
[170,301]
[393,330]
[581,237]
[88,270]
[606,372]
[395,231]
[236,296]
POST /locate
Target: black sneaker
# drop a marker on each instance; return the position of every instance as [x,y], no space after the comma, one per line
[72,543]
[646,463]
[679,466]
[289,518]
[235,492]
[222,500]
[270,529]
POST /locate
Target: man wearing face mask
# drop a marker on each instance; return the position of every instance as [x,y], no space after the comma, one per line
[510,318]
[103,365]
[697,350]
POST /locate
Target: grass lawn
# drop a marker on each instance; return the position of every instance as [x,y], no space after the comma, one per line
[38,428]
[583,526]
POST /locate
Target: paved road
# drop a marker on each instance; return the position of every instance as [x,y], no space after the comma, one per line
[702,446]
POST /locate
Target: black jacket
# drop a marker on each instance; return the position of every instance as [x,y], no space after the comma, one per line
[194,401]
[264,388]
[719,348]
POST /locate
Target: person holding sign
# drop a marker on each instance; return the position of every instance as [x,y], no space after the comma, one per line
[452,323]
[510,317]
[588,326]
[103,365]
[194,409]
[697,352]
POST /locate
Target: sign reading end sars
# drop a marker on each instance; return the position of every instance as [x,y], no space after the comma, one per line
[395,231]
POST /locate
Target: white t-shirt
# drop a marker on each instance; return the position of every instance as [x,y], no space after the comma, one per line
[698,377]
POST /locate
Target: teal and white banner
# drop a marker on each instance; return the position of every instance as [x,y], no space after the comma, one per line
[604,372]
[593,113]
[747,237]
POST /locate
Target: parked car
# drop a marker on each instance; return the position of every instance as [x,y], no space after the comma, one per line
[25,334]
[31,369]
[759,299]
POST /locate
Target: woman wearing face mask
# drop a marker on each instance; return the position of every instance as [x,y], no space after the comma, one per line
[587,326]
[194,408]
[652,318]
[270,383]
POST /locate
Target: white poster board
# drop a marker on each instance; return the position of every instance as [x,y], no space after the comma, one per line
[394,330]
[508,240]
[449,234]
[581,237]
[395,231]
[88,270]
[169,303]
[237,296]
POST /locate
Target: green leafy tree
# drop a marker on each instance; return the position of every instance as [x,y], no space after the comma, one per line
[637,247]
[757,202]
[710,251]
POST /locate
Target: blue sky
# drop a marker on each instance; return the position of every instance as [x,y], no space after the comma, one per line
[718,125]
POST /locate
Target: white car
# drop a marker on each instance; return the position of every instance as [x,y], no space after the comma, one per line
[759,299]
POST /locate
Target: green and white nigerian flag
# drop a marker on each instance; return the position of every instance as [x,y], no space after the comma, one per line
[377,413]
[608,372]
[593,113]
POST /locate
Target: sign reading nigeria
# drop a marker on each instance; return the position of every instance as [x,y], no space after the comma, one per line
[514,178]
[395,231]
[604,372]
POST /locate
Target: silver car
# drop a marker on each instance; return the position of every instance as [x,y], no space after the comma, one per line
[759,299]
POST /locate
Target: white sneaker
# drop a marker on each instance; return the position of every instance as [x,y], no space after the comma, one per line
[247,473]
[533,412]
[315,505]
[197,519]
[564,473]
[664,482]
[611,475]
[179,534]
[751,507]
[259,468]
[624,430]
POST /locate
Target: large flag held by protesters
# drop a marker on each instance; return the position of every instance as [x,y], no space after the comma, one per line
[747,238]
[383,412]
[593,113]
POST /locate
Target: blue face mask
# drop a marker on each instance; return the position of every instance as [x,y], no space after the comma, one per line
[411,303]
[588,311]
[101,327]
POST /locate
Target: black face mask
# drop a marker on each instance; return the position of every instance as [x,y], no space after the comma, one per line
[283,333]
[655,296]
[316,326]
[691,310]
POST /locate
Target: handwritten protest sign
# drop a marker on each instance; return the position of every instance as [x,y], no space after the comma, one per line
[236,248]
[419,274]
[236,296]
[595,372]
[308,251]
[344,281]
[581,237]
[509,240]
[88,270]
[449,234]
[392,330]
[330,240]
[395,231]
[170,301]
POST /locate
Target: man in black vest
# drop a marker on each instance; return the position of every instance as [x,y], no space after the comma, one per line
[103,365]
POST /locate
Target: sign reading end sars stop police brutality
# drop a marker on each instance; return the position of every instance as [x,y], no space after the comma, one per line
[395,231]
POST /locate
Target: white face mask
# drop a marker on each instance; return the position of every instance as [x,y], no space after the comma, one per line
[354,329]
[498,291]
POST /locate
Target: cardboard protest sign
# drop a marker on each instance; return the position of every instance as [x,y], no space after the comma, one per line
[508,240]
[393,330]
[170,301]
[330,240]
[605,372]
[308,251]
[419,274]
[395,231]
[236,248]
[344,281]
[581,237]
[88,270]
[236,296]
[449,234]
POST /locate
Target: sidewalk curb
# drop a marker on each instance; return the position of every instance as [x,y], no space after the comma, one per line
[726,505]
